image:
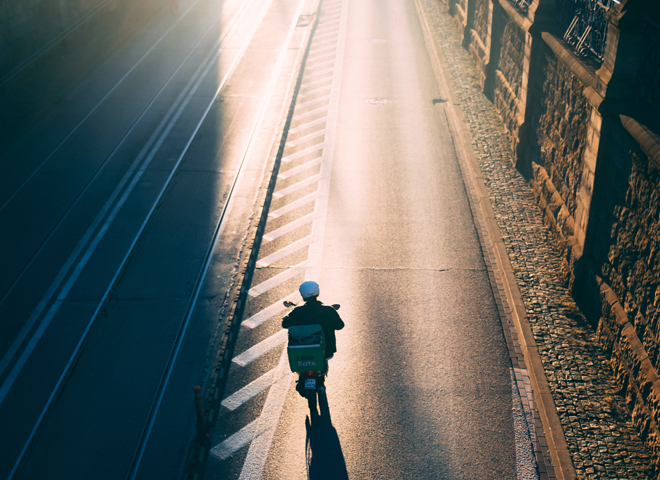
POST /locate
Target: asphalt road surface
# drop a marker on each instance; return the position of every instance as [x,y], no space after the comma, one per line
[122,214]
[371,203]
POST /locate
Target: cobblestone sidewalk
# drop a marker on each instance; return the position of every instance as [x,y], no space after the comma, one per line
[600,435]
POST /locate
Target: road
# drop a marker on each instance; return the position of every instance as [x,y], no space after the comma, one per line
[124,212]
[371,202]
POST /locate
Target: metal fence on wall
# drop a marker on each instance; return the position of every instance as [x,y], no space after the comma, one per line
[586,25]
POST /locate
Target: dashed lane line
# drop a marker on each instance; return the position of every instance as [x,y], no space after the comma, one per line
[233,444]
[284,252]
[306,151]
[306,138]
[310,124]
[261,349]
[277,280]
[251,390]
[269,312]
[301,168]
[288,228]
[296,186]
[293,206]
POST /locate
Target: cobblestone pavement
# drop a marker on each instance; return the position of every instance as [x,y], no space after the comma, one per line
[600,435]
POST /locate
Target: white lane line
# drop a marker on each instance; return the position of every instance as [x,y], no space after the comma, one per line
[152,147]
[312,102]
[306,151]
[261,349]
[310,113]
[306,138]
[316,72]
[233,444]
[264,433]
[289,227]
[278,279]
[313,92]
[296,170]
[251,390]
[297,186]
[316,58]
[284,252]
[308,125]
[306,85]
[267,423]
[269,312]
[320,49]
[293,206]
[315,65]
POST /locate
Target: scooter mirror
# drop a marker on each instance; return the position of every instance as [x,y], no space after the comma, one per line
[289,304]
[336,306]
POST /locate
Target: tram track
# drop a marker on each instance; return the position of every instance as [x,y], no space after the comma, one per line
[87,244]
[200,278]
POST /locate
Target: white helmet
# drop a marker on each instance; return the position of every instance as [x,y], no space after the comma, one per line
[309,289]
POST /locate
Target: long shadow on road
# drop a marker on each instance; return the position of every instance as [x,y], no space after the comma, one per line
[325,459]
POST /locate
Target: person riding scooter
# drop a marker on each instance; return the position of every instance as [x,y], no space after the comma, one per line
[313,312]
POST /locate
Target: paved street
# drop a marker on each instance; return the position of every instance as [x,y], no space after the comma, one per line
[124,216]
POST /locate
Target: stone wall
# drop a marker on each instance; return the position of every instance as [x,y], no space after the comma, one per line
[586,133]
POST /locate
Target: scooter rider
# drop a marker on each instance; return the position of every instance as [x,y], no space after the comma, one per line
[314,312]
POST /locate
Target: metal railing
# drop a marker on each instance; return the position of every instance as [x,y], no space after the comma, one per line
[521,5]
[587,30]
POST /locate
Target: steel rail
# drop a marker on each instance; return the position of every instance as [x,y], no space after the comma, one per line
[76,353]
[160,392]
[89,114]
[112,200]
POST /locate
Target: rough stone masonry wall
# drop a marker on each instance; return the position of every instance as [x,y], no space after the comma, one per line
[575,140]
[630,290]
[480,36]
[508,78]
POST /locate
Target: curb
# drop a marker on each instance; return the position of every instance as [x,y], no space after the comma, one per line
[492,240]
[232,311]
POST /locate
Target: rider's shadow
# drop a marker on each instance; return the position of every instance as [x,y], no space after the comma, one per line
[325,459]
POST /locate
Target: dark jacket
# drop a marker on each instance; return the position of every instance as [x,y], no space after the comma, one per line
[314,312]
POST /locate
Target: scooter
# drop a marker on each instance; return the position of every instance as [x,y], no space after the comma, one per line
[306,350]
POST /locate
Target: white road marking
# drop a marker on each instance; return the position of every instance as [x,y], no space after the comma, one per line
[276,280]
[312,102]
[306,138]
[235,400]
[296,186]
[308,93]
[233,444]
[318,65]
[289,227]
[310,113]
[269,312]
[302,153]
[315,82]
[293,206]
[261,349]
[316,72]
[264,431]
[306,125]
[284,252]
[301,168]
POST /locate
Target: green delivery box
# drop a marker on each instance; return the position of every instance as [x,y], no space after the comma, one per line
[306,348]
